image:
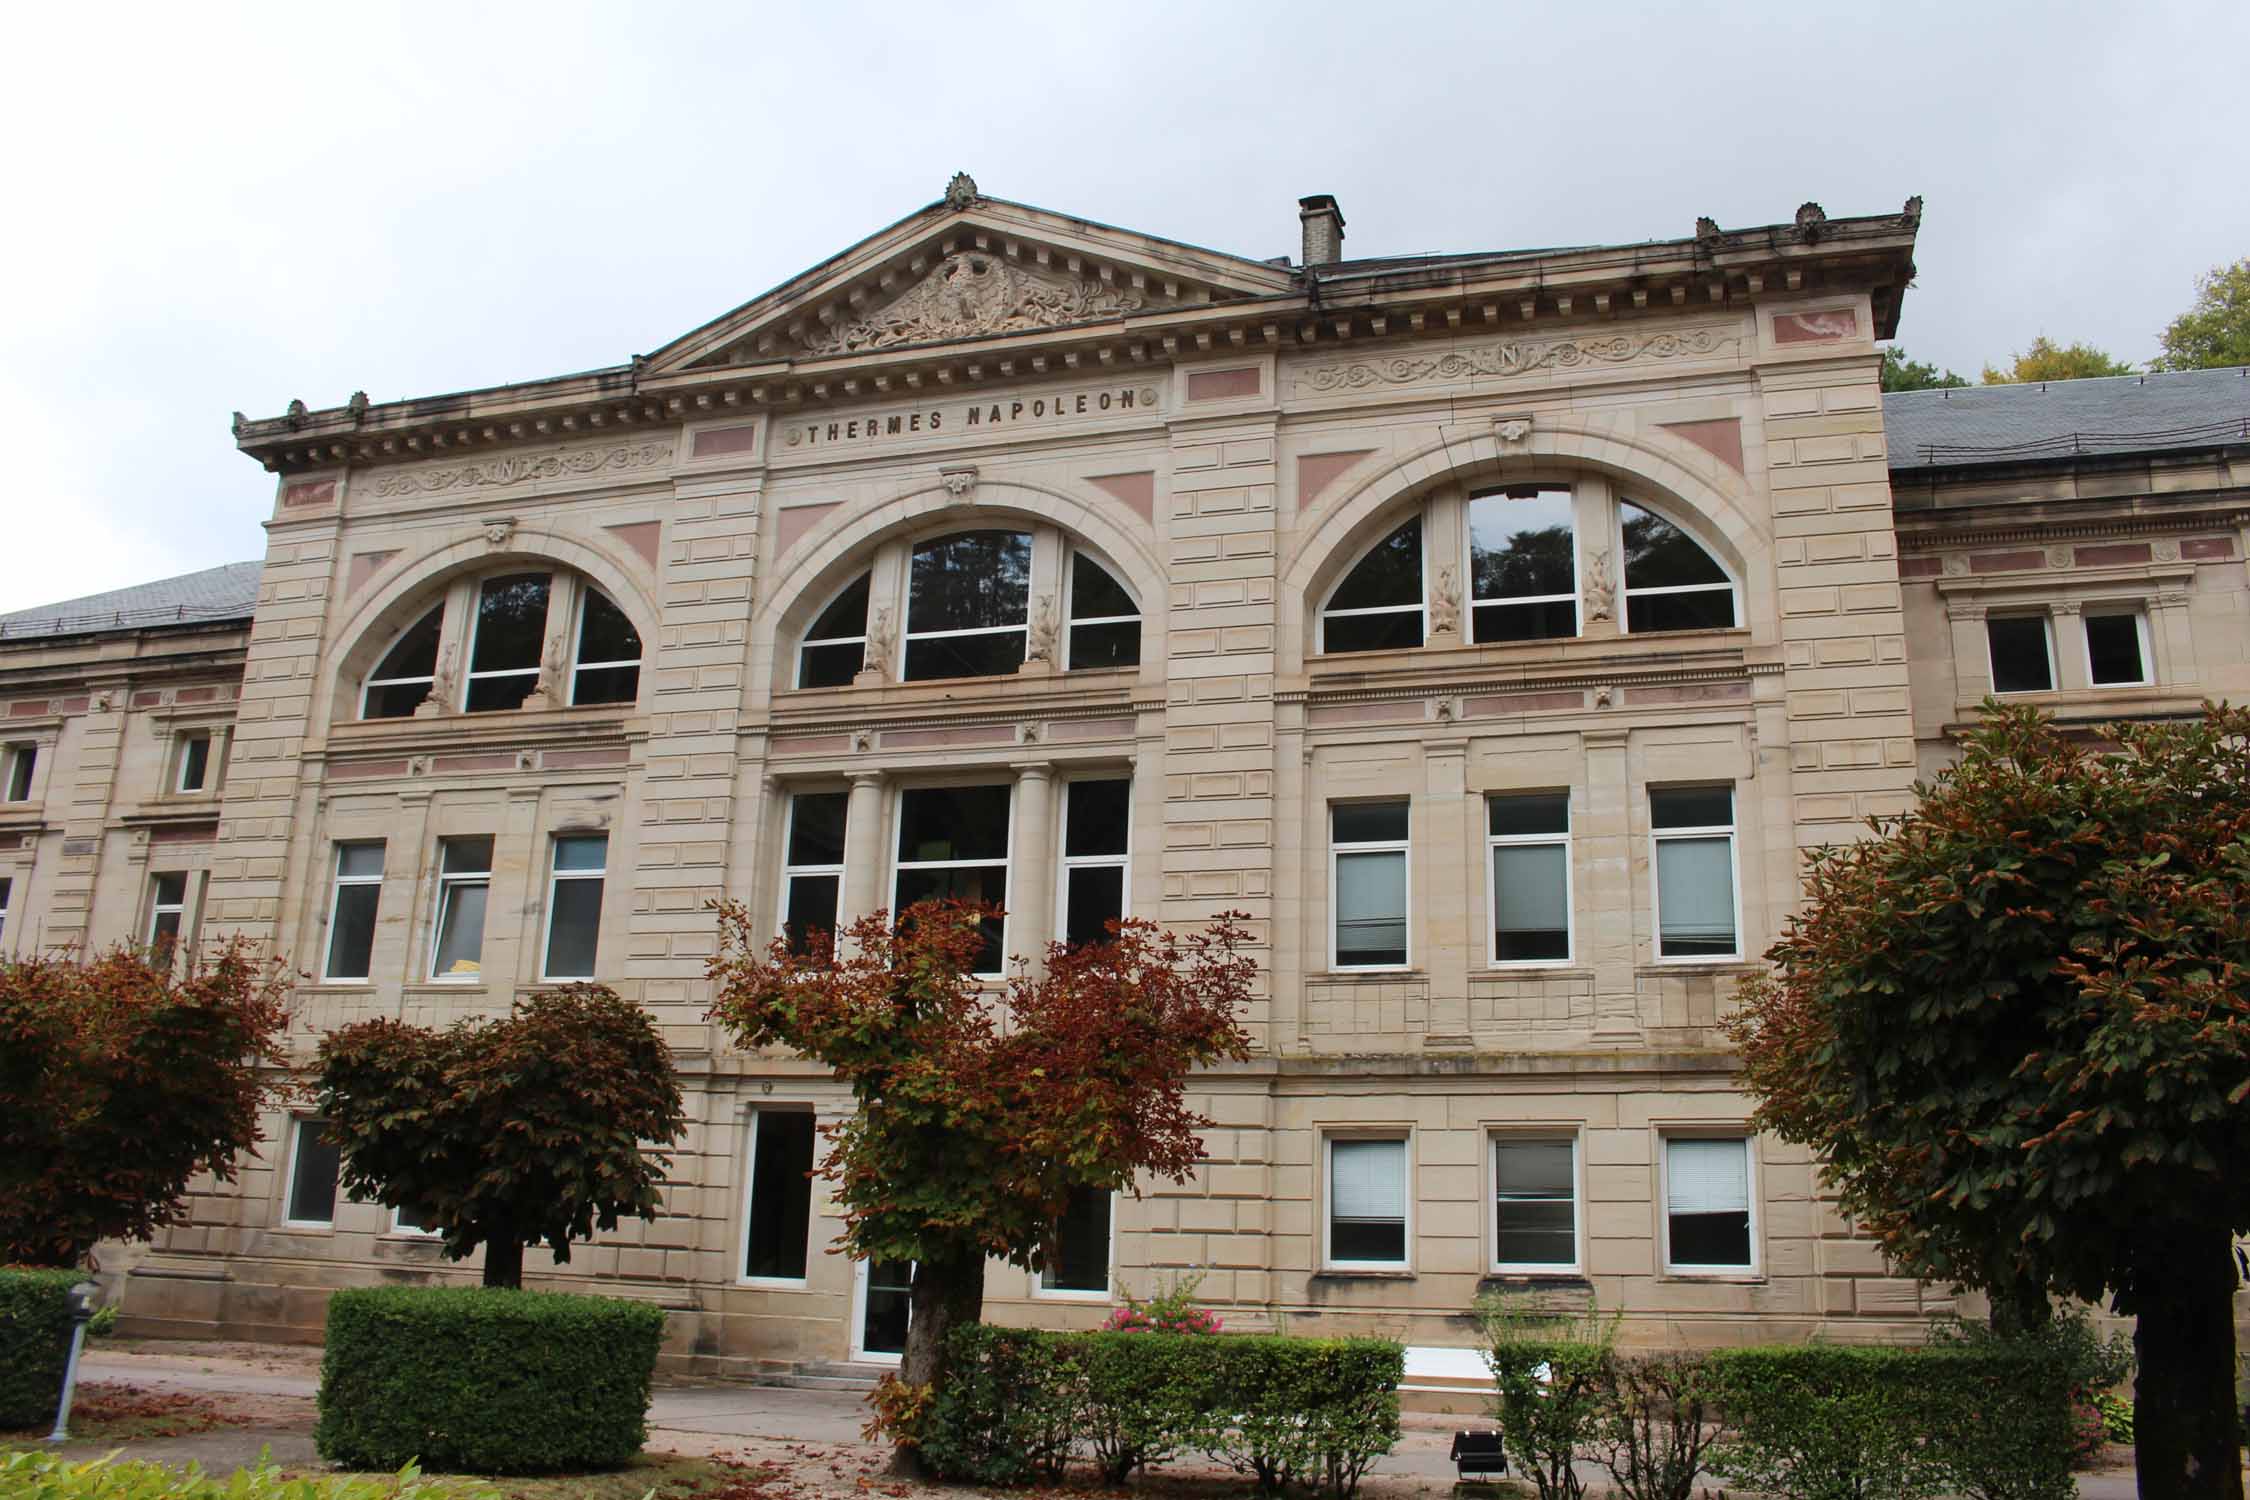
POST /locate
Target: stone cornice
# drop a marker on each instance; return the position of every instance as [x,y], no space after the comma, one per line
[1930,533]
[1592,675]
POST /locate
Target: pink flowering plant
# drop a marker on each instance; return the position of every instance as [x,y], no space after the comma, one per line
[1172,1311]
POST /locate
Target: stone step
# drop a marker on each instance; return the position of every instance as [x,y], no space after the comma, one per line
[838,1375]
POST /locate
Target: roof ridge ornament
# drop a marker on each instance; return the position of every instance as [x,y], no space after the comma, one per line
[961,192]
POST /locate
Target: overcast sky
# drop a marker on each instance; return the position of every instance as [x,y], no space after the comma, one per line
[226,207]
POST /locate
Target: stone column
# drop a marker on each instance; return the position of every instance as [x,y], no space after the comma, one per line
[863,849]
[1602,835]
[1446,934]
[2069,629]
[1031,922]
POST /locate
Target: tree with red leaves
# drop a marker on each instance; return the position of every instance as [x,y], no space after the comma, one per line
[981,1111]
[121,1078]
[2015,1023]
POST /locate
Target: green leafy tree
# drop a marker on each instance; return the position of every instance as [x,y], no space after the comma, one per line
[2047,360]
[121,1078]
[1903,374]
[2015,1023]
[539,1128]
[980,1114]
[2215,332]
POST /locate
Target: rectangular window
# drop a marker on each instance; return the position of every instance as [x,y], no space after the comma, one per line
[2023,658]
[574,904]
[351,913]
[313,1164]
[1694,839]
[195,762]
[778,1217]
[2117,649]
[22,761]
[812,875]
[609,652]
[412,1220]
[7,894]
[1707,1205]
[1367,1203]
[1535,1203]
[1523,563]
[1367,872]
[1097,820]
[464,883]
[953,843]
[511,631]
[167,909]
[1078,1250]
[1529,838]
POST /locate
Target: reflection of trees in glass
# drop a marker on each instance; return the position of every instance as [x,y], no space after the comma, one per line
[970,581]
[1660,555]
[1391,573]
[511,622]
[1534,562]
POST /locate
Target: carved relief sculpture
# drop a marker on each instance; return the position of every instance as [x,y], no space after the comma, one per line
[443,686]
[972,293]
[1601,593]
[1040,646]
[1445,604]
[548,691]
[1520,357]
[504,471]
[875,655]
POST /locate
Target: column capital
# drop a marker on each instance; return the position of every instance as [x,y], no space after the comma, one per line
[1033,770]
[873,779]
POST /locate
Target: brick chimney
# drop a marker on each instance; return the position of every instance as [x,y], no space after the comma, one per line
[1324,229]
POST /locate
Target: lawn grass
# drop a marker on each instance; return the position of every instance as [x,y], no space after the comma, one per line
[665,1476]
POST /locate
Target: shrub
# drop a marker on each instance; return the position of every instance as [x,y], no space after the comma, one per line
[1656,1424]
[34,1343]
[484,1380]
[1152,1394]
[1009,1407]
[1550,1369]
[2117,1417]
[2023,1417]
[50,1476]
[1172,1311]
[1309,1411]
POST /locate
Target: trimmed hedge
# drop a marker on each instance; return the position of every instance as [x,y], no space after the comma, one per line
[34,1343]
[1017,1404]
[51,1476]
[485,1381]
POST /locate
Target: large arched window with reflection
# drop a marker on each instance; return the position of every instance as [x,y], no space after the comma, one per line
[968,605]
[403,678]
[550,633]
[1671,583]
[1378,606]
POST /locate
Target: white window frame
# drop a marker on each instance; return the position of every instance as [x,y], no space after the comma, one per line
[297,1124]
[907,634]
[1070,620]
[370,683]
[1404,1138]
[1420,609]
[337,881]
[742,1277]
[790,873]
[1469,599]
[1046,1293]
[1657,836]
[7,905]
[158,906]
[1404,848]
[445,887]
[1755,1270]
[184,759]
[408,1231]
[555,877]
[1006,863]
[797,672]
[1065,863]
[1494,841]
[23,759]
[2047,632]
[2111,609]
[470,676]
[1534,1134]
[1626,593]
[586,591]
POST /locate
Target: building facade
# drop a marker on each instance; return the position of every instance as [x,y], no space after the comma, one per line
[1497,631]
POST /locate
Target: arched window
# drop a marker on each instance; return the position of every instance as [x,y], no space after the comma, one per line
[551,633]
[1378,606]
[984,603]
[1537,559]
[402,679]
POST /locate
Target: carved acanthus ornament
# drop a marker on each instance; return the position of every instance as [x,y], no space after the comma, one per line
[1601,593]
[972,293]
[1518,357]
[525,469]
[959,482]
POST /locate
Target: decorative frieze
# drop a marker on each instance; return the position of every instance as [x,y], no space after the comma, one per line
[973,294]
[525,469]
[1517,357]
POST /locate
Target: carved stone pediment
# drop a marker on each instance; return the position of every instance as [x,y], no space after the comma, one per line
[971,293]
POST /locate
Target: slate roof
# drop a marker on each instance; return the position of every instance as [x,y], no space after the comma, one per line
[228,592]
[1990,424]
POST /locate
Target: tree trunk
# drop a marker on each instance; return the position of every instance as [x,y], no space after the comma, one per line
[2183,1396]
[945,1295]
[503,1262]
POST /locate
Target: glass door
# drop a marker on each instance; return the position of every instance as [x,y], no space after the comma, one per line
[884,1299]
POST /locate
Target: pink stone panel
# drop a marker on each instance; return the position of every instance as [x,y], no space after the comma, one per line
[1524,703]
[27,708]
[2207,549]
[1691,692]
[2122,552]
[988,734]
[147,699]
[366,565]
[196,695]
[488,762]
[797,520]
[713,441]
[2005,562]
[308,492]
[1317,471]
[1136,490]
[1219,385]
[812,744]
[1093,729]
[193,833]
[1365,713]
[641,536]
[80,705]
[579,760]
[1815,327]
[1920,567]
[355,770]
[1721,439]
